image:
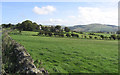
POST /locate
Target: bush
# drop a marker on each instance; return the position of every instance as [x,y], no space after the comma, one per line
[95,37]
[81,32]
[50,34]
[85,36]
[102,36]
[41,33]
[61,35]
[46,33]
[75,35]
[114,37]
[91,34]
[68,35]
[118,37]
[55,34]
[90,37]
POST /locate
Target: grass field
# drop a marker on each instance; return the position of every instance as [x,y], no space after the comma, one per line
[71,55]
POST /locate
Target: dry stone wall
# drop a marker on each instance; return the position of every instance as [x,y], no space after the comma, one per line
[17,58]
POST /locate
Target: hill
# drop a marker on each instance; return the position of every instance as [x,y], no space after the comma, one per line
[95,27]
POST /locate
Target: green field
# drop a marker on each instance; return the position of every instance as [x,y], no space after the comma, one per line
[71,55]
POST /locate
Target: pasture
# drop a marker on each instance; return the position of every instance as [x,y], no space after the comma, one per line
[70,55]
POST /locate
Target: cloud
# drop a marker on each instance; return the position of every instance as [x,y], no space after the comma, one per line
[44,10]
[71,16]
[87,15]
[51,21]
[56,20]
[96,15]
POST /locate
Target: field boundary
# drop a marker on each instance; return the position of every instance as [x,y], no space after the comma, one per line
[19,60]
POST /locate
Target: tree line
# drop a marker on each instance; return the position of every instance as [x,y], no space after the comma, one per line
[54,30]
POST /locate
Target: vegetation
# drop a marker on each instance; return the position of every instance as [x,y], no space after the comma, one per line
[70,55]
[59,31]
[62,50]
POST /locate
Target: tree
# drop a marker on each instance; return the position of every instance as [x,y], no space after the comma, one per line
[52,29]
[9,25]
[19,27]
[61,35]
[6,25]
[90,37]
[50,34]
[66,29]
[81,32]
[106,37]
[85,36]
[114,36]
[55,34]
[68,35]
[58,28]
[102,36]
[77,35]
[92,34]
[110,37]
[46,33]
[95,37]
[72,35]
[46,28]
[118,36]
[28,26]
[35,26]
[41,32]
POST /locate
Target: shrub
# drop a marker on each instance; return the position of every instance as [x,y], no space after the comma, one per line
[102,36]
[75,35]
[81,32]
[46,33]
[95,37]
[68,35]
[90,37]
[50,34]
[118,37]
[85,36]
[114,37]
[41,33]
[91,34]
[61,35]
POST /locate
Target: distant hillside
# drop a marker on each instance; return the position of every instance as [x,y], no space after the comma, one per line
[95,28]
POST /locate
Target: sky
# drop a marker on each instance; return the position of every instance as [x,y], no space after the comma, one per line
[60,13]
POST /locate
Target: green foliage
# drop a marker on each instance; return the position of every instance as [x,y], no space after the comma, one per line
[68,35]
[81,32]
[58,27]
[102,36]
[27,26]
[75,35]
[90,37]
[66,29]
[95,37]
[114,36]
[118,36]
[7,25]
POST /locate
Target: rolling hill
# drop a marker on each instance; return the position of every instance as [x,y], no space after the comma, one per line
[95,27]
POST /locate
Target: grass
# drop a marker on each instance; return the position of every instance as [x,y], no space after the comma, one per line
[71,55]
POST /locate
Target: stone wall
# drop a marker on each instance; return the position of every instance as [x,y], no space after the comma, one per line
[16,59]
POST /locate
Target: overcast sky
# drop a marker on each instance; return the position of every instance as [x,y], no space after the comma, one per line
[63,13]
